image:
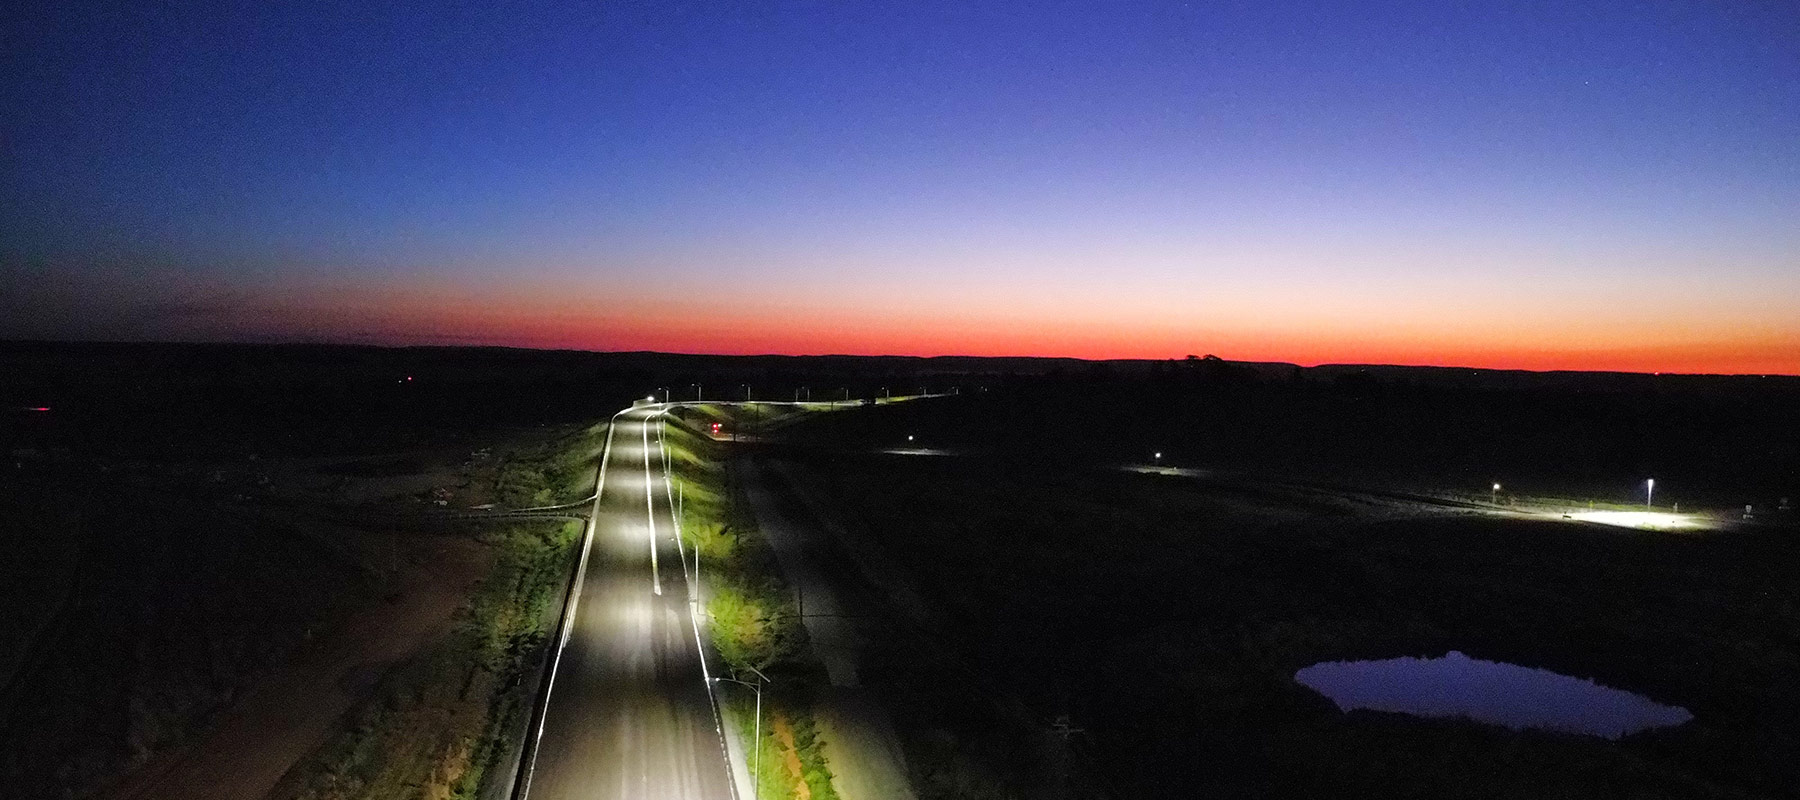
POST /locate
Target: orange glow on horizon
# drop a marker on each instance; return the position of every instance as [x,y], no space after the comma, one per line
[754,326]
[844,334]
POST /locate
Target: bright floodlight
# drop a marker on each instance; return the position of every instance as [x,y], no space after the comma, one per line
[909,437]
[1157,455]
[1496,487]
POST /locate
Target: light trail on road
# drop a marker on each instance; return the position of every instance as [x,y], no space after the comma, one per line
[629,710]
[650,511]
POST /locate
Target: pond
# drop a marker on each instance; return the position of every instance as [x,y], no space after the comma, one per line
[1488,691]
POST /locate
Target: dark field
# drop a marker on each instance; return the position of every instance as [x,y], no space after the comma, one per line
[185,524]
[1707,440]
[187,519]
[1165,614]
[156,615]
[182,525]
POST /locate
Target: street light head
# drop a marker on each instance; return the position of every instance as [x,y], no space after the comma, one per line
[1496,487]
[909,437]
[1157,455]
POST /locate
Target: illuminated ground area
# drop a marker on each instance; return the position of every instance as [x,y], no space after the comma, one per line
[1182,662]
[1646,520]
[918,451]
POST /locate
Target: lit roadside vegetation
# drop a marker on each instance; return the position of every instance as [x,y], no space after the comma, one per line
[438,726]
[559,470]
[752,620]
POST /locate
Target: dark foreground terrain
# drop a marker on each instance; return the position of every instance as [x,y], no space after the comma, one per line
[1166,616]
[1042,604]
[1153,615]
[222,577]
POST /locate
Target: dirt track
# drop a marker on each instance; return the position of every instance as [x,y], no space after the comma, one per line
[292,711]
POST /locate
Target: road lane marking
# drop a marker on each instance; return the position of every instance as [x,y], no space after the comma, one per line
[568,622]
[650,513]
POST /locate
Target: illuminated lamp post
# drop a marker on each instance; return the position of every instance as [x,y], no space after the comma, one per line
[756,738]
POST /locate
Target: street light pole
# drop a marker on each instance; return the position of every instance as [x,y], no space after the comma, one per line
[1649,492]
[1494,499]
[756,738]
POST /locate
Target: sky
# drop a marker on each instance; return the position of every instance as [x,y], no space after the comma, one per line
[1538,185]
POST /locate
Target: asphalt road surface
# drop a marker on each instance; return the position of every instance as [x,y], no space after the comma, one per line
[629,715]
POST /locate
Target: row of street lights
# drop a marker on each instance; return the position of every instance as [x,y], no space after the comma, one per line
[694,603]
[1494,491]
[802,394]
[1649,492]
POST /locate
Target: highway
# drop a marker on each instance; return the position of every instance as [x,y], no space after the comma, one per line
[628,712]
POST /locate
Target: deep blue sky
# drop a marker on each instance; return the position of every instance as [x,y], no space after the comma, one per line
[1423,181]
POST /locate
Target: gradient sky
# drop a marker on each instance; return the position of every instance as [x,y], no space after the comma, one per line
[1597,185]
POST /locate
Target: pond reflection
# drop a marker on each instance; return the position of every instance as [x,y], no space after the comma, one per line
[1488,691]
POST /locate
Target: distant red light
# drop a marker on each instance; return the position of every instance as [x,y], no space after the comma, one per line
[38,408]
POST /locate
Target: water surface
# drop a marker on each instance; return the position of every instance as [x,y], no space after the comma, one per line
[1488,691]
